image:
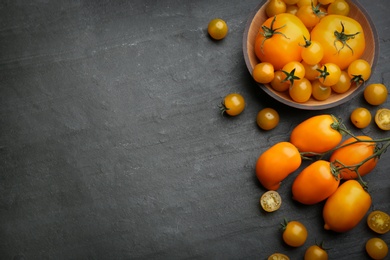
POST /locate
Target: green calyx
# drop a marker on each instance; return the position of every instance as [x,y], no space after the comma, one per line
[343,38]
[268,32]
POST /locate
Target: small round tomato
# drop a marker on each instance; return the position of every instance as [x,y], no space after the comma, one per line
[312,52]
[217,29]
[361,117]
[359,71]
[315,252]
[263,72]
[275,7]
[317,134]
[279,83]
[306,2]
[315,183]
[278,256]
[329,74]
[377,248]
[270,201]
[375,94]
[267,118]
[325,2]
[353,154]
[346,207]
[310,15]
[319,91]
[294,70]
[278,40]
[379,222]
[344,83]
[342,39]
[292,9]
[294,234]
[382,118]
[283,154]
[311,71]
[301,90]
[339,7]
[233,104]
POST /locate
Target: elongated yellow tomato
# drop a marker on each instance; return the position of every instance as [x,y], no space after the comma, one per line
[345,208]
[342,39]
[317,134]
[276,163]
[279,40]
[315,183]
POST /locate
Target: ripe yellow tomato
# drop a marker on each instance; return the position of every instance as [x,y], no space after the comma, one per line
[275,7]
[315,252]
[312,53]
[361,117]
[279,83]
[379,222]
[267,118]
[341,37]
[377,248]
[319,91]
[339,7]
[375,94]
[382,118]
[270,201]
[329,74]
[279,38]
[346,207]
[359,71]
[263,72]
[233,104]
[294,234]
[217,29]
[301,90]
[344,83]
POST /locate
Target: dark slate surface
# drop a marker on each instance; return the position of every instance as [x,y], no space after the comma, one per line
[112,145]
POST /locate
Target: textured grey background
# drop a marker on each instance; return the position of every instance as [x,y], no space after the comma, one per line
[112,145]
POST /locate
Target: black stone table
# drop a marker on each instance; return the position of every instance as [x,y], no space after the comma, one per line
[112,145]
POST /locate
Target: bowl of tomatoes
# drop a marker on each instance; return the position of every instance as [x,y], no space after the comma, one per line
[278,43]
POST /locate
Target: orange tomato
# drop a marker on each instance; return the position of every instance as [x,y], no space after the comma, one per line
[346,207]
[317,134]
[276,163]
[279,39]
[315,183]
[353,154]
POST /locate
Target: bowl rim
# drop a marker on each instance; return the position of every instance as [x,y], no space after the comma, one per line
[302,105]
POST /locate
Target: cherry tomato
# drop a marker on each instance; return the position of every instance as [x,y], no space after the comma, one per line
[346,207]
[310,15]
[319,91]
[312,52]
[217,29]
[354,154]
[339,7]
[361,117]
[311,71]
[275,7]
[294,234]
[315,252]
[233,104]
[279,83]
[287,158]
[294,70]
[263,72]
[342,39]
[267,118]
[292,9]
[329,74]
[375,94]
[344,83]
[301,90]
[271,201]
[278,40]
[377,248]
[278,256]
[315,183]
[359,71]
[379,222]
[307,2]
[316,134]
[382,118]
[325,2]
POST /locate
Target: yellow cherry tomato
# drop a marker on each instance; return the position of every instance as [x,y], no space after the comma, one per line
[279,83]
[263,72]
[361,117]
[267,118]
[359,71]
[312,52]
[379,222]
[233,104]
[275,7]
[375,94]
[382,118]
[339,7]
[294,234]
[377,248]
[217,29]
[270,201]
[329,74]
[319,91]
[301,90]
[344,83]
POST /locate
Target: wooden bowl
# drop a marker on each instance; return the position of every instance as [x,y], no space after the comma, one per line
[256,19]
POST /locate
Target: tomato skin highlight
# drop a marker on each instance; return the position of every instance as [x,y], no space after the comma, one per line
[280,49]
[315,183]
[316,134]
[354,154]
[346,207]
[276,163]
[341,55]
